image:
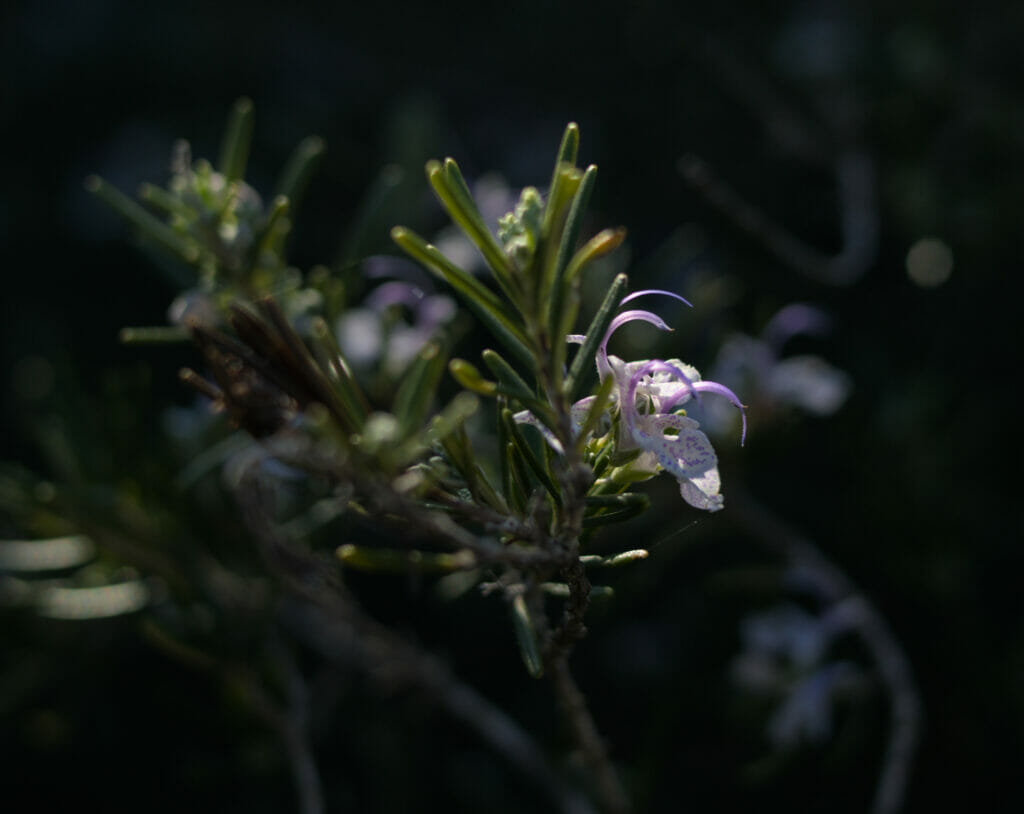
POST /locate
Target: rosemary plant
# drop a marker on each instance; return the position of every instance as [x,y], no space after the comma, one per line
[571,446]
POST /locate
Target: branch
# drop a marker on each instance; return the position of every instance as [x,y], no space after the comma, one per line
[326,617]
[858,220]
[832,145]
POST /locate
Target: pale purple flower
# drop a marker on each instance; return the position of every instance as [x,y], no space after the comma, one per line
[785,655]
[366,337]
[647,395]
[774,382]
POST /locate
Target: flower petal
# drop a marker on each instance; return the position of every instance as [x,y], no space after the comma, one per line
[702,492]
[686,454]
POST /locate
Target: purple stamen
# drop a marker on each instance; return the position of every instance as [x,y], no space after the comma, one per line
[722,390]
[646,291]
[655,366]
[629,316]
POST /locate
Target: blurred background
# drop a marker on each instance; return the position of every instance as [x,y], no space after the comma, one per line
[861,158]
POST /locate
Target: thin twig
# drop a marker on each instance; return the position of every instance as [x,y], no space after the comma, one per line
[584,732]
[290,723]
[858,222]
[852,167]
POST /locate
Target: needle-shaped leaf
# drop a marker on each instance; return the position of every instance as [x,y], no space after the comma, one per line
[299,169]
[478,298]
[595,334]
[448,429]
[614,508]
[153,335]
[558,299]
[517,478]
[340,373]
[595,411]
[148,224]
[234,146]
[569,147]
[526,636]
[623,558]
[469,377]
[524,449]
[396,561]
[451,189]
[511,384]
[602,243]
[416,392]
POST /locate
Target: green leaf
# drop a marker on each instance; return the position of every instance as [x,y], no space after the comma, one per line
[451,189]
[469,377]
[452,418]
[504,446]
[448,429]
[599,245]
[614,508]
[161,199]
[527,454]
[478,298]
[526,637]
[559,299]
[597,408]
[234,147]
[569,147]
[148,224]
[517,477]
[622,558]
[299,169]
[275,225]
[510,380]
[595,334]
[396,561]
[564,186]
[350,396]
[155,335]
[564,181]
[419,384]
[511,384]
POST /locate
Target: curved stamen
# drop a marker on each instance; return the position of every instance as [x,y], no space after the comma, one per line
[646,291]
[654,366]
[722,390]
[630,316]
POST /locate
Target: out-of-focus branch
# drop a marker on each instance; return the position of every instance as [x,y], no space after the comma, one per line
[833,586]
[291,723]
[858,220]
[832,143]
[583,728]
[324,615]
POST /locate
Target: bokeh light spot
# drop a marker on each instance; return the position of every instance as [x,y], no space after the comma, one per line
[929,262]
